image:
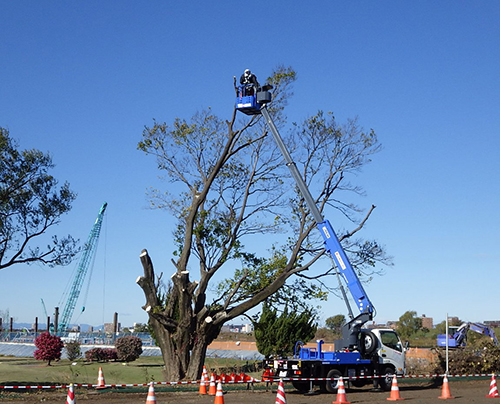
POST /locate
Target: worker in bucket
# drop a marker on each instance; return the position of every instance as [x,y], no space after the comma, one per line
[249,80]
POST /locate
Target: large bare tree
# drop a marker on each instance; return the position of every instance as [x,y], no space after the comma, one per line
[232,193]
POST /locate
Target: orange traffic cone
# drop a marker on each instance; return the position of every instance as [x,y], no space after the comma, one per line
[101,384]
[280,397]
[203,385]
[341,398]
[445,394]
[493,387]
[219,396]
[71,395]
[395,390]
[204,374]
[151,394]
[212,389]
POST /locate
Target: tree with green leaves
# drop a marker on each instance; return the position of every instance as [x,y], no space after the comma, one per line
[335,323]
[73,349]
[139,327]
[31,203]
[409,324]
[231,194]
[276,334]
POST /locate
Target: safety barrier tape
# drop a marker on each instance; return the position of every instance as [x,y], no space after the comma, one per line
[429,376]
[64,386]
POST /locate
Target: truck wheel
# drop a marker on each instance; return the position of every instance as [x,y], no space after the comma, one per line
[368,342]
[385,381]
[332,385]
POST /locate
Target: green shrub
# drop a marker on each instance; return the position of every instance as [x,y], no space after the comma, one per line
[73,350]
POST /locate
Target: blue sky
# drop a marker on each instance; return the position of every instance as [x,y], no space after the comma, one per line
[81,79]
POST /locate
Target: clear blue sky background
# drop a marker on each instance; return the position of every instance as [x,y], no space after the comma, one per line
[80,79]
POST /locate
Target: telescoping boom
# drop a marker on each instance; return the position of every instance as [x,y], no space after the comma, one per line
[331,241]
[257,104]
[362,355]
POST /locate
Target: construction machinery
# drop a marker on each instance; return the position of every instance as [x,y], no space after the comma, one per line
[50,326]
[361,355]
[459,337]
[86,258]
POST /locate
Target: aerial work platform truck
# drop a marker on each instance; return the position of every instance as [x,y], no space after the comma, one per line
[362,355]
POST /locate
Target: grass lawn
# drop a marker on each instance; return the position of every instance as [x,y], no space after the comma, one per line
[29,372]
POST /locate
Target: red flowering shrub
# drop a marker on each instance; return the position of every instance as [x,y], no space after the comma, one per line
[110,354]
[129,348]
[49,347]
[101,355]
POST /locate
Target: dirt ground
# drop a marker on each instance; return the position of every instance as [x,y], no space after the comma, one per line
[470,391]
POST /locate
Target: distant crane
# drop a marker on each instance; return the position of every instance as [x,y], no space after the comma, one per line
[50,326]
[88,253]
[44,308]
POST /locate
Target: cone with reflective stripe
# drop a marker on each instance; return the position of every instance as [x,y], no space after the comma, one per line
[212,388]
[445,393]
[280,397]
[395,390]
[203,385]
[71,395]
[219,396]
[493,387]
[204,374]
[341,398]
[101,384]
[151,394]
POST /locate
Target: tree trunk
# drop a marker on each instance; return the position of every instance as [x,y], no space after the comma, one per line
[206,333]
[182,336]
[183,351]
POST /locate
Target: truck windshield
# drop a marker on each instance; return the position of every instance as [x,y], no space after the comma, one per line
[391,340]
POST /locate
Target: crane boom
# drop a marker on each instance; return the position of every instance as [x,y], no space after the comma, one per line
[254,102]
[44,308]
[331,240]
[360,352]
[88,253]
[332,245]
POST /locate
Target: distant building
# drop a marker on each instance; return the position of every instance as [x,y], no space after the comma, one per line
[109,328]
[427,322]
[493,323]
[245,328]
[389,324]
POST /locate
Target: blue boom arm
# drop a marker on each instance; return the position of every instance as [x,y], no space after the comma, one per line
[332,244]
[350,331]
